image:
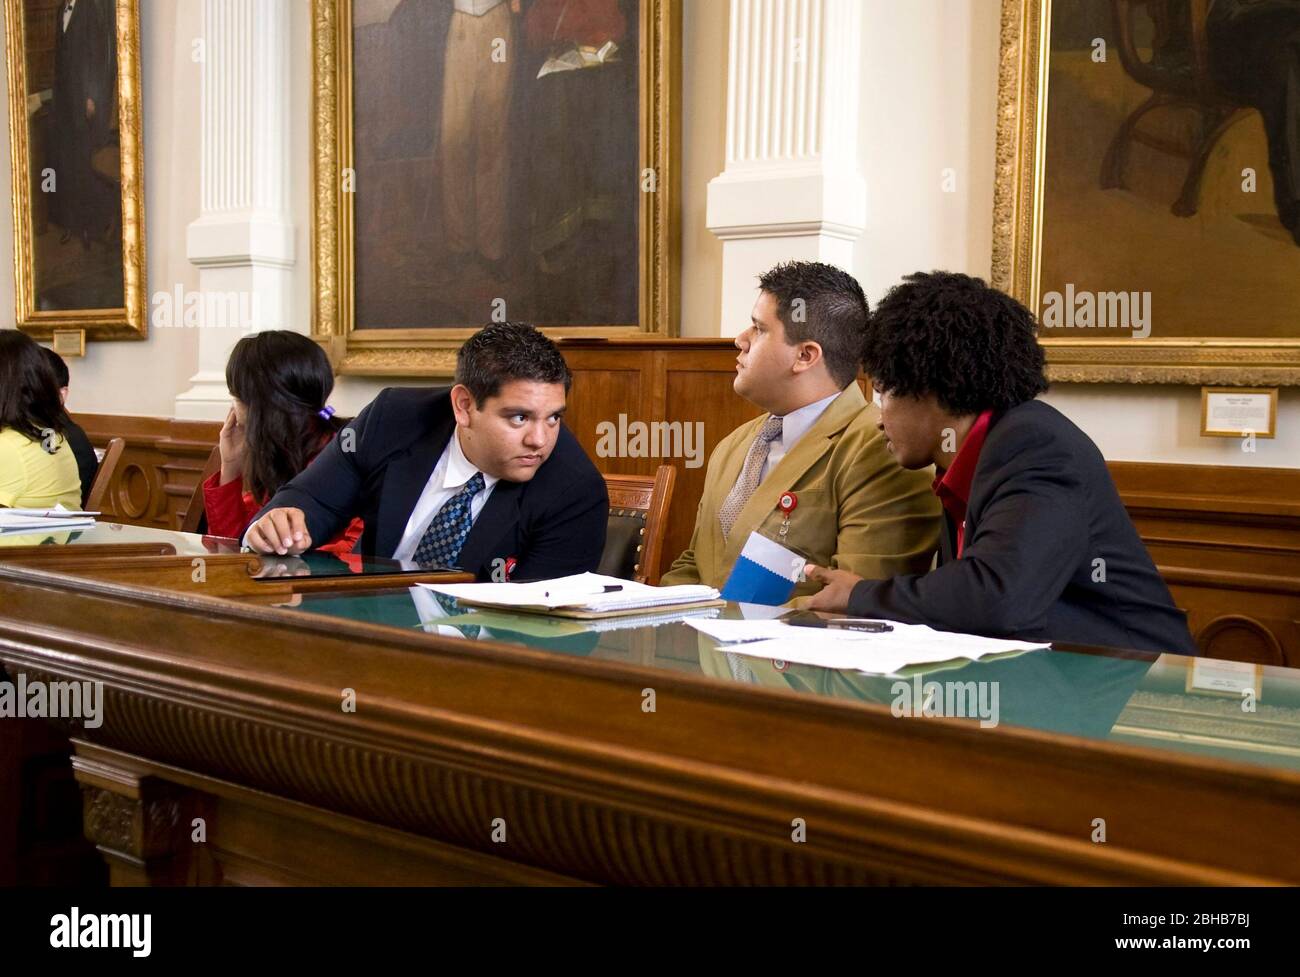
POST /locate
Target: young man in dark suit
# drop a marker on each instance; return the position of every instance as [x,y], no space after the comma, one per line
[1036,542]
[483,476]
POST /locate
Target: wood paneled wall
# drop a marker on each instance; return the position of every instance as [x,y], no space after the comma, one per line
[159,469]
[685,383]
[1226,539]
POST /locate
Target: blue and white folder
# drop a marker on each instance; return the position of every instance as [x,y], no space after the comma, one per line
[765,573]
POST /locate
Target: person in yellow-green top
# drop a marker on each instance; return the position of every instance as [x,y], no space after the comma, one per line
[37,467]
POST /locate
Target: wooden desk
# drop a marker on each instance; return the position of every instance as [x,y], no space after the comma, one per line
[210,565]
[533,758]
[34,757]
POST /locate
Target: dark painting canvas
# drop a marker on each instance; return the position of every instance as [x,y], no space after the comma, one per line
[495,148]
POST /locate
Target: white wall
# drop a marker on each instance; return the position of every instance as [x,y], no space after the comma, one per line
[929,79]
[929,100]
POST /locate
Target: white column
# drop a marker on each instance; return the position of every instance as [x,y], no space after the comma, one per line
[793,184]
[242,241]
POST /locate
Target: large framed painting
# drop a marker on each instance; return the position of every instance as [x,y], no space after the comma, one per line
[1147,198]
[482,160]
[78,197]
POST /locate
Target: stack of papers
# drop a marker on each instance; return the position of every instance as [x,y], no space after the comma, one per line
[14,521]
[580,595]
[884,653]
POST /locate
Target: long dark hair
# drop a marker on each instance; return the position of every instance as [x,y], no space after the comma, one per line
[29,393]
[284,379]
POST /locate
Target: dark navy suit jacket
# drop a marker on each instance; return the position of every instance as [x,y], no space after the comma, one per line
[1050,553]
[553,525]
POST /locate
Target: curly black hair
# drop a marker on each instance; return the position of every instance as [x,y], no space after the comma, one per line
[505,351]
[833,313]
[947,334]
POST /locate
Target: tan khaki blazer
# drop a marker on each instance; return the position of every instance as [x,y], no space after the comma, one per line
[858,510]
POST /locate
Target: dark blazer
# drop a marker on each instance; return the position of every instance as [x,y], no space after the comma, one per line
[552,525]
[87,463]
[1050,553]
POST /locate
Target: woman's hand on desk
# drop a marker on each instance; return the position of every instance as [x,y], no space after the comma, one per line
[837,585]
[281,531]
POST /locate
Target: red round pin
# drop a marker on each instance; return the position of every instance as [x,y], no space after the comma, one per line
[787,502]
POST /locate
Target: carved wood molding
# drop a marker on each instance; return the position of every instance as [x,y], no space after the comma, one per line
[159,469]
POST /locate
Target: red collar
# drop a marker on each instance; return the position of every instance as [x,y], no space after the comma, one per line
[953,486]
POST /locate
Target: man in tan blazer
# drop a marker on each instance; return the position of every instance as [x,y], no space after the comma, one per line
[799,361]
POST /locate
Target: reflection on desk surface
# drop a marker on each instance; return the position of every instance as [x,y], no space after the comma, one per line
[335,565]
[1157,702]
[192,544]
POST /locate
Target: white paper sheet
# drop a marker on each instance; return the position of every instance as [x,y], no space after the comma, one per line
[583,591]
[38,520]
[863,651]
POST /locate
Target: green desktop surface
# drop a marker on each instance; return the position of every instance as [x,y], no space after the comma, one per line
[1162,702]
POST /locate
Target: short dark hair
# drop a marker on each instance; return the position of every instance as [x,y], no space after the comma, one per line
[947,334]
[505,351]
[59,367]
[833,315]
[29,393]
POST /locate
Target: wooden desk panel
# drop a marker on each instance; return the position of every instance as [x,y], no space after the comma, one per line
[232,714]
[214,574]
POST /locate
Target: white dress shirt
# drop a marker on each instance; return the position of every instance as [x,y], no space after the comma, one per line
[448,478]
[793,427]
[67,12]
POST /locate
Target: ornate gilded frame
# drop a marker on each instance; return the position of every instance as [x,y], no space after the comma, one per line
[1017,242]
[432,352]
[131,321]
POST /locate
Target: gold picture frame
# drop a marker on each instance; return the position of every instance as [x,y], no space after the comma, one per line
[432,351]
[1018,234]
[130,321]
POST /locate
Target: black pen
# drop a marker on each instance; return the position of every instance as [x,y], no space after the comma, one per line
[608,589]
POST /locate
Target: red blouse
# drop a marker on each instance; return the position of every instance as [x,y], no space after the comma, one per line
[230,511]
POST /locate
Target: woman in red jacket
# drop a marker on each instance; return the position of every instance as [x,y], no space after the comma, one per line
[280,381]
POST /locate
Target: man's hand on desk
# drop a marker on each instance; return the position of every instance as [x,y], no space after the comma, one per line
[281,531]
[837,585]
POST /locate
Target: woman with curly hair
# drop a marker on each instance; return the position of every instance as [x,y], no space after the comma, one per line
[1036,542]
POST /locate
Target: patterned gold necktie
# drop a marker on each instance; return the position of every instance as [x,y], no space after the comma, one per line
[750,475]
